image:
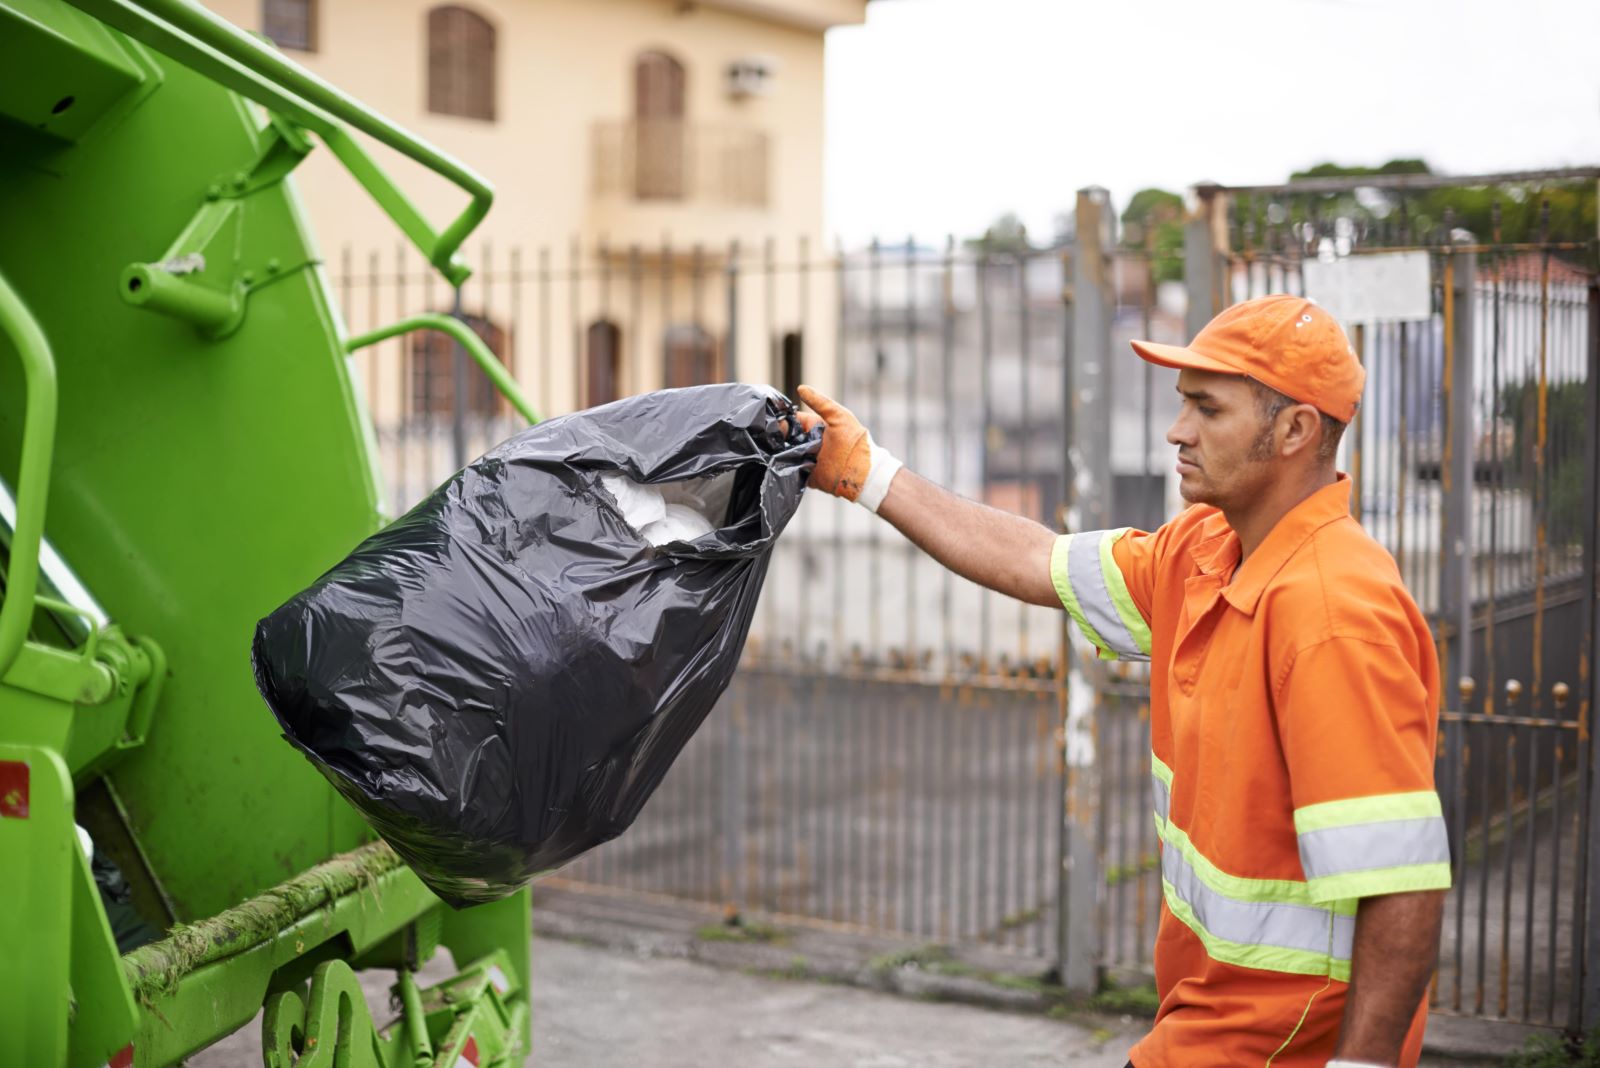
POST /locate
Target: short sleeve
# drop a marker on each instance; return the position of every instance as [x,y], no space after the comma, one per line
[1094,575]
[1357,730]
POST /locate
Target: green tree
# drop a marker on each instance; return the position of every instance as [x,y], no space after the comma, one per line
[1153,220]
[1565,412]
[1423,212]
[1006,236]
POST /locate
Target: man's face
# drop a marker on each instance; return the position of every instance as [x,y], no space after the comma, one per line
[1218,432]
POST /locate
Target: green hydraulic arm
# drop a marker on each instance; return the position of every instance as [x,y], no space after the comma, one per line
[214,47]
[463,335]
[38,435]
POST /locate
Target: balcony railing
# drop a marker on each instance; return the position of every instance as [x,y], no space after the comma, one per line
[672,160]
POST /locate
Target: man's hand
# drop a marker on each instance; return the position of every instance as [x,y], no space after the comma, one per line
[1004,552]
[847,462]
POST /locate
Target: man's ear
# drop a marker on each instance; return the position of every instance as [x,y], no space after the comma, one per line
[1301,424]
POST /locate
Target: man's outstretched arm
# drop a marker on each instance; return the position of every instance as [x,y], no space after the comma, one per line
[993,548]
[1005,552]
[1396,949]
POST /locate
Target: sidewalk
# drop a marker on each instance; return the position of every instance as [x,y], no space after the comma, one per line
[997,986]
[598,1007]
[628,980]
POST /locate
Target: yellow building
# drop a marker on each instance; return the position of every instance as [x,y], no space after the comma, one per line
[633,145]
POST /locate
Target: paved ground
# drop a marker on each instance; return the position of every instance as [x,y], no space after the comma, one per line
[597,1007]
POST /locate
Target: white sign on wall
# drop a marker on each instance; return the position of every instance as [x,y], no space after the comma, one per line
[1383,287]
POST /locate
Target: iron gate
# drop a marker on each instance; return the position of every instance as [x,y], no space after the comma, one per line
[904,753]
[889,756]
[1474,460]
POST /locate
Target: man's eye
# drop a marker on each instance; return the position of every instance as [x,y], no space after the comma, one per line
[1207,412]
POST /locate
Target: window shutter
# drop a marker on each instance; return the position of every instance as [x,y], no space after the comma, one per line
[290,23]
[461,63]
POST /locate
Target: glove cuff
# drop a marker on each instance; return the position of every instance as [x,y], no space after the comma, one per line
[883,468]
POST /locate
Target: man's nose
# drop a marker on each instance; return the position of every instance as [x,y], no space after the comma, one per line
[1179,432]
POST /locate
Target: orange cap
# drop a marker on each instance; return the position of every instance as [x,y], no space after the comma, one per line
[1281,341]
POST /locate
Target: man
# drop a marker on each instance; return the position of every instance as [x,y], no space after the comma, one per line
[1294,695]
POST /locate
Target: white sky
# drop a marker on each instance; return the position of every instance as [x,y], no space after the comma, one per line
[942,114]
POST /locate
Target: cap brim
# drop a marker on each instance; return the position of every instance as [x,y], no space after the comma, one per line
[1181,358]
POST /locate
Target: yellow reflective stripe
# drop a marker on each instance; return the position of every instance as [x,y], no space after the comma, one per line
[1418,804]
[1160,790]
[1269,958]
[1069,599]
[1274,924]
[1280,891]
[1117,587]
[1378,881]
[1160,770]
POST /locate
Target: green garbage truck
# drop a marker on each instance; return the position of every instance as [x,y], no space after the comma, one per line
[182,447]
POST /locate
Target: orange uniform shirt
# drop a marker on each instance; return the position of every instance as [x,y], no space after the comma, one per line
[1294,706]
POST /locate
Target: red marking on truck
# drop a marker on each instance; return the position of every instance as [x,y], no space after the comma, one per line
[123,1058]
[498,980]
[13,790]
[468,1057]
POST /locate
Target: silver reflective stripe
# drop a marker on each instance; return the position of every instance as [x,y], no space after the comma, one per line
[1094,599]
[1163,797]
[1258,923]
[1365,846]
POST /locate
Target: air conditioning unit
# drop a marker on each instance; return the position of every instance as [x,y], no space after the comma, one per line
[750,76]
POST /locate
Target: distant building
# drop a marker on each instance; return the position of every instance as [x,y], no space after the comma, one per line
[603,124]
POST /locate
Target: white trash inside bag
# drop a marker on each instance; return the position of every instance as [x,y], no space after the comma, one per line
[671,511]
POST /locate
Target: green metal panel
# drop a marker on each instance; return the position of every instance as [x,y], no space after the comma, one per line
[174,374]
[105,1015]
[36,922]
[197,485]
[89,78]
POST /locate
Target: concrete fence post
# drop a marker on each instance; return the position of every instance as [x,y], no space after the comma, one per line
[1205,246]
[1456,468]
[1087,382]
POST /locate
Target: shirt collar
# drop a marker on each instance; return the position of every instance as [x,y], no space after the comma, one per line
[1218,553]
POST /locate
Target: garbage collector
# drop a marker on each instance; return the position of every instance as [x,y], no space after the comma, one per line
[1293,697]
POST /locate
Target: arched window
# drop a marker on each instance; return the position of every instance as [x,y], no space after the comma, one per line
[659,135]
[603,363]
[461,63]
[290,23]
[690,357]
[433,375]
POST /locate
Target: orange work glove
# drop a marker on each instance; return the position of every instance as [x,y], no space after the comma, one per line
[850,465]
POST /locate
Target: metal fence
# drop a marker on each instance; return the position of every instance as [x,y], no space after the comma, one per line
[905,753]
[900,807]
[1474,458]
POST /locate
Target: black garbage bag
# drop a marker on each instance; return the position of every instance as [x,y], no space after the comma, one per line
[500,678]
[128,928]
